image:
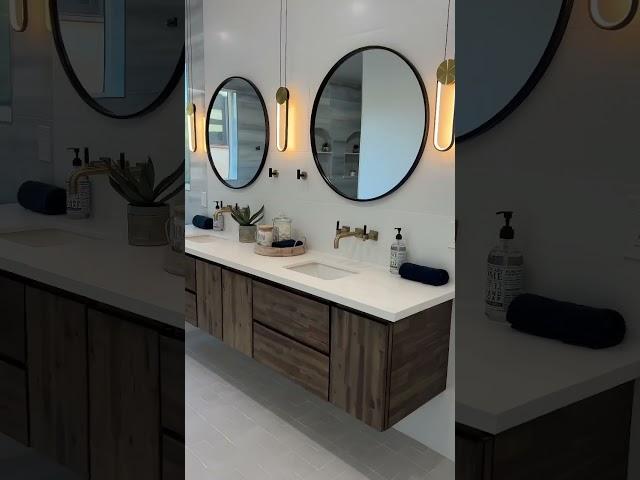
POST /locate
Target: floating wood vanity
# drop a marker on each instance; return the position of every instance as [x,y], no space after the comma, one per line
[377,370]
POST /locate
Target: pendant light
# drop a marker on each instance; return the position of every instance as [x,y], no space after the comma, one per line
[612,14]
[282,95]
[190,110]
[18,15]
[445,98]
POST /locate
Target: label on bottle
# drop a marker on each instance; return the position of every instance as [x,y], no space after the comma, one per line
[398,257]
[504,283]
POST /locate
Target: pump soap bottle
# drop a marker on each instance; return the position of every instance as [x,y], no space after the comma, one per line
[78,200]
[505,273]
[398,253]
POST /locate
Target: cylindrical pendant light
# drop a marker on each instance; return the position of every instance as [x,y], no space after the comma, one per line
[445,105]
[612,14]
[190,110]
[18,15]
[444,134]
[282,95]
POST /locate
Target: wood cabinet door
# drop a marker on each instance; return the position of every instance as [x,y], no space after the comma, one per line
[13,403]
[172,459]
[172,384]
[124,394]
[57,378]
[209,298]
[12,344]
[474,454]
[359,366]
[237,312]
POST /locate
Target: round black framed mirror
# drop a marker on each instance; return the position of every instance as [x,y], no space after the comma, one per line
[369,123]
[123,57]
[503,53]
[237,135]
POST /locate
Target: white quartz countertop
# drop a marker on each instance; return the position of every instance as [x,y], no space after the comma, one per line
[505,378]
[370,289]
[87,263]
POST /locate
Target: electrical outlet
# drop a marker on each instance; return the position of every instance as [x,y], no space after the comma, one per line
[633,249]
[203,199]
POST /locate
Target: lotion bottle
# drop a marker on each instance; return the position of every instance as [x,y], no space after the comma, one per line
[398,253]
[505,272]
[78,201]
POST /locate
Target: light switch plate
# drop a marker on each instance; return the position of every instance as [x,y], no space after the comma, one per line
[43,135]
[203,199]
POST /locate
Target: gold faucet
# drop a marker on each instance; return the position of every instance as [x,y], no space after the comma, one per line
[345,232]
[100,168]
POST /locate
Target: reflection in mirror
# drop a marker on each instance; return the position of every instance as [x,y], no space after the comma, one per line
[513,44]
[5,63]
[369,123]
[237,132]
[123,56]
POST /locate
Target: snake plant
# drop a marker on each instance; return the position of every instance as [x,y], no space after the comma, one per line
[244,218]
[137,184]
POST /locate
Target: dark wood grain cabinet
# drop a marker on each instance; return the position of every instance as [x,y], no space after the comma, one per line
[376,370]
[124,373]
[13,402]
[57,373]
[12,324]
[587,440]
[209,298]
[172,385]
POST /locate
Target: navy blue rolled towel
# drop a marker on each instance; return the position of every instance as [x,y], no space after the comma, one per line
[287,244]
[431,276]
[568,322]
[42,198]
[200,221]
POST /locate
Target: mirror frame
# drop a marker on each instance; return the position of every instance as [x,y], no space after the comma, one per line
[316,102]
[538,72]
[79,88]
[267,132]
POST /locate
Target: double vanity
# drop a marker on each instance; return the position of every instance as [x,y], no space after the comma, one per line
[371,343]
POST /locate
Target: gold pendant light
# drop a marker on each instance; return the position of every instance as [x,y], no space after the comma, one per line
[443,136]
[18,15]
[190,110]
[282,95]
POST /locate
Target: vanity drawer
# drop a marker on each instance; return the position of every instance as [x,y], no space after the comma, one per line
[301,364]
[294,315]
[13,403]
[12,322]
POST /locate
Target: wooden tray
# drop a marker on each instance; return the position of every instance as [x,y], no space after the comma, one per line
[281,252]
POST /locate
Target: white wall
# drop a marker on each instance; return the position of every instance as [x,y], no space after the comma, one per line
[241,38]
[566,162]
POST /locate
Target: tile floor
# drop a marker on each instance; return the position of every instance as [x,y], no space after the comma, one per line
[244,422]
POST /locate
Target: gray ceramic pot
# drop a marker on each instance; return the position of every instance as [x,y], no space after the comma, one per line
[247,234]
[146,225]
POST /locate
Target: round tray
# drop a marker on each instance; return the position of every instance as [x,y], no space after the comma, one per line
[280,252]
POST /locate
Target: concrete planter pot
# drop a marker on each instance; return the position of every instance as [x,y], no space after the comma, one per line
[146,225]
[247,234]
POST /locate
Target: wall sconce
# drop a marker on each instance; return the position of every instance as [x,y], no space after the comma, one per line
[18,14]
[612,14]
[282,118]
[191,125]
[445,105]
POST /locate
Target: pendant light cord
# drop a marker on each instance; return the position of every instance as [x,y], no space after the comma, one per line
[446,38]
[284,11]
[189,53]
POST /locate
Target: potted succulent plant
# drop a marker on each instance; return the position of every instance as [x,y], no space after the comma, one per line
[147,212]
[247,222]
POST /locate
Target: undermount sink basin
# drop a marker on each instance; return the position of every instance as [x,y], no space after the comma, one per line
[321,270]
[43,237]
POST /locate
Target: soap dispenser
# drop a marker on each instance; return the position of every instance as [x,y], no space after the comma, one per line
[218,218]
[505,272]
[398,253]
[78,200]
